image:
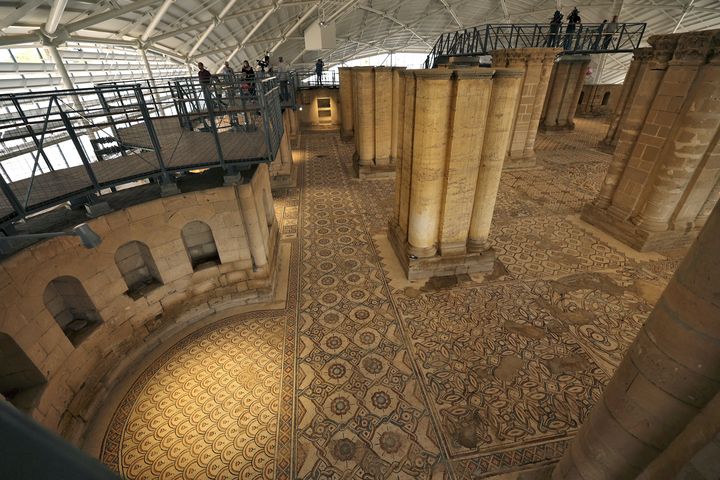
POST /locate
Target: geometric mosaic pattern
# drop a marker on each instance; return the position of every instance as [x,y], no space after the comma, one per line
[456,378]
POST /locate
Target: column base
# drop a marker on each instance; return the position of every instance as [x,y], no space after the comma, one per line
[346,136]
[439,265]
[634,235]
[372,172]
[512,163]
[557,128]
[606,147]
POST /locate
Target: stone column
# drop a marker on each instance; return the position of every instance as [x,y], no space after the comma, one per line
[546,69]
[468,124]
[565,92]
[398,104]
[579,72]
[651,70]
[668,376]
[694,122]
[250,214]
[405,151]
[364,108]
[432,99]
[383,115]
[708,206]
[556,91]
[640,57]
[506,88]
[346,103]
[536,64]
[666,162]
[451,131]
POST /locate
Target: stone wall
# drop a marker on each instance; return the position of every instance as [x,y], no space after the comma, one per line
[77,374]
[313,111]
[598,100]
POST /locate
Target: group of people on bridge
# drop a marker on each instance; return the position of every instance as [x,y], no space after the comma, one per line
[573,38]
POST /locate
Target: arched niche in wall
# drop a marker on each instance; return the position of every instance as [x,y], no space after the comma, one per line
[200,244]
[138,269]
[68,302]
[606,98]
[19,377]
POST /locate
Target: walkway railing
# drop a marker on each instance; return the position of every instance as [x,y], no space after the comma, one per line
[585,38]
[310,79]
[73,144]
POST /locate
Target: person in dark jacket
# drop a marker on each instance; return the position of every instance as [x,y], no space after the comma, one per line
[318,70]
[203,74]
[573,21]
[555,24]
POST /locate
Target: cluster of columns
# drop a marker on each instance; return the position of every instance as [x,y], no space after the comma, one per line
[649,421]
[454,135]
[369,98]
[536,65]
[664,177]
[566,82]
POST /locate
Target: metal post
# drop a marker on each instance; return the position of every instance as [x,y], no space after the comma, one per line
[266,125]
[10,195]
[38,143]
[78,145]
[104,105]
[151,131]
[213,125]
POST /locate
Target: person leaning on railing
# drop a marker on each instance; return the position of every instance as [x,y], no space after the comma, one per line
[610,30]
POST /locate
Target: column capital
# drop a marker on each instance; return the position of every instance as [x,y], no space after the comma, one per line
[508,72]
[663,47]
[474,72]
[434,73]
[642,54]
[693,48]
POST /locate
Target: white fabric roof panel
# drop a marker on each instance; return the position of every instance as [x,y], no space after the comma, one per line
[364,27]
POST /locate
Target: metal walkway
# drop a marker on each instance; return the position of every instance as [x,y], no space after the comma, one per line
[587,38]
[80,144]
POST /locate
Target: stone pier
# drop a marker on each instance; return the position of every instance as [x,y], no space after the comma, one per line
[630,86]
[646,423]
[375,110]
[346,103]
[662,180]
[566,83]
[537,65]
[456,131]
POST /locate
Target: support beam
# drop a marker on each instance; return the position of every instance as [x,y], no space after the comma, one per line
[108,15]
[452,13]
[56,13]
[394,20]
[682,17]
[211,27]
[19,12]
[506,14]
[156,19]
[295,26]
[60,67]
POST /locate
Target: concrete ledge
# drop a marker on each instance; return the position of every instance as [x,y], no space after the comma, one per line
[634,235]
[438,266]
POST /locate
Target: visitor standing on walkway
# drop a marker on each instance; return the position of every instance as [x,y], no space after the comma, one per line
[600,30]
[281,71]
[610,30]
[555,24]
[203,74]
[318,70]
[573,21]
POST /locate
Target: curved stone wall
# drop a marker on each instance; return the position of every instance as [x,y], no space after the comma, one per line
[79,362]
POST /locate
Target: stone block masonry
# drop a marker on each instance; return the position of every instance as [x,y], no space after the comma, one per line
[241,223]
[663,180]
[456,131]
[537,65]
[566,83]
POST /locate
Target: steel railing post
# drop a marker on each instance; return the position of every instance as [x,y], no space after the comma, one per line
[151,132]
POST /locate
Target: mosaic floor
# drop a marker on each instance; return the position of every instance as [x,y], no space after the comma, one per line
[366,375]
